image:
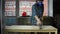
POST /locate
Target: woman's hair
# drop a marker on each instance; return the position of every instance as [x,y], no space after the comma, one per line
[39,0]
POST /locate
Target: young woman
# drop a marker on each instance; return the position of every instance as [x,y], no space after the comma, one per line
[37,12]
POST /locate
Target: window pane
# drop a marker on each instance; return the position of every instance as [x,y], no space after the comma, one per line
[10,8]
[25,7]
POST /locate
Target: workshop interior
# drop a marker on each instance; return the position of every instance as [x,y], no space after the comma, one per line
[16,17]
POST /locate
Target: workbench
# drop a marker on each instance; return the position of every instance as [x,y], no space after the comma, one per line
[30,28]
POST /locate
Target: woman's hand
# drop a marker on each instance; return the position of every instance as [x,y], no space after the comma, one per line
[39,22]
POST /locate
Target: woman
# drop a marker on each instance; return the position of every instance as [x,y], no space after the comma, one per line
[37,12]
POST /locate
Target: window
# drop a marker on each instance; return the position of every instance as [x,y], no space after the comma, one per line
[25,6]
[10,8]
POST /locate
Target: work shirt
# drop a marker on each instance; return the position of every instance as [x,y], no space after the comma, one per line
[37,10]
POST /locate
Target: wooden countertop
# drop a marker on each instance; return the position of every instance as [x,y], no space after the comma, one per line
[28,28]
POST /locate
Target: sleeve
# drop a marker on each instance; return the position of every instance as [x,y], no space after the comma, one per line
[33,11]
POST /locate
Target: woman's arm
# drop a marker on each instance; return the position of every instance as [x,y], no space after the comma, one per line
[38,20]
